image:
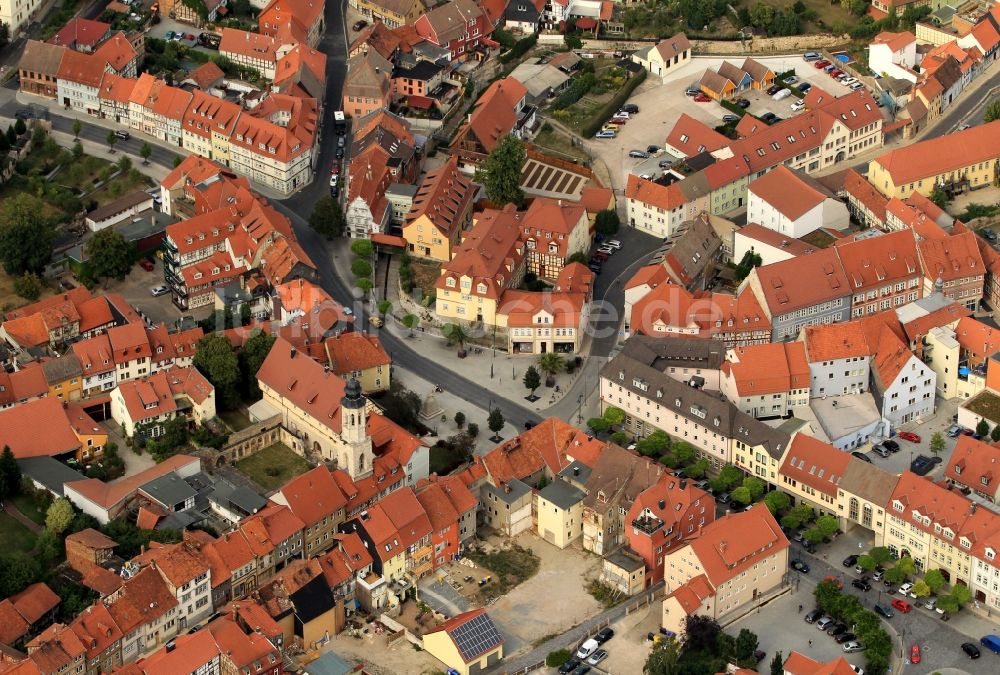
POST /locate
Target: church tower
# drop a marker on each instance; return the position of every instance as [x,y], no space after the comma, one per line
[357,456]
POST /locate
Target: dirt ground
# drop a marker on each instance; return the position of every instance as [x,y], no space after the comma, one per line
[400,659]
[629,649]
[552,601]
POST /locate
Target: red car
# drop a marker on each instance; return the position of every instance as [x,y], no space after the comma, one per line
[909,436]
[146,264]
[901,605]
[618,121]
[915,653]
[335,168]
[819,65]
[702,98]
[836,73]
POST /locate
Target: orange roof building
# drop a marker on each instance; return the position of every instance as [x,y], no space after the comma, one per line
[770,380]
[793,204]
[955,263]
[441,212]
[360,355]
[494,116]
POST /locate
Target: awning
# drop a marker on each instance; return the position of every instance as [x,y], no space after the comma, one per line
[388,240]
[420,102]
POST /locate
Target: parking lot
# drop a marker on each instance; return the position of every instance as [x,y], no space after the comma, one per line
[661,104]
[940,421]
[136,287]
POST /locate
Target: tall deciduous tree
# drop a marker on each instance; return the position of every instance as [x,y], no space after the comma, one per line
[10,474]
[937,443]
[109,254]
[59,516]
[76,128]
[663,659]
[145,151]
[607,222]
[250,359]
[532,380]
[992,112]
[25,238]
[218,363]
[327,217]
[500,172]
[495,421]
[778,664]
[111,139]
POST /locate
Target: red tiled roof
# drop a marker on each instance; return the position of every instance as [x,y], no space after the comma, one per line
[736,542]
[802,281]
[35,601]
[874,262]
[37,428]
[107,495]
[80,32]
[304,382]
[951,258]
[13,627]
[829,342]
[313,496]
[974,461]
[493,116]
[791,193]
[767,368]
[935,156]
[812,462]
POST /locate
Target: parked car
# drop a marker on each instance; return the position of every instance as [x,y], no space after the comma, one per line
[800,566]
[849,80]
[638,154]
[782,94]
[878,575]
[742,102]
[621,115]
[692,91]
[146,264]
[901,605]
[921,465]
[835,73]
[909,436]
[568,667]
[822,63]
[862,584]
[954,431]
[853,646]
[587,648]
[335,167]
[630,108]
[123,135]
[334,178]
[358,25]
[845,637]
[805,87]
[971,650]
[598,656]
[791,79]
[836,629]
[850,561]
[340,153]
[157,291]
[617,121]
[702,98]
[769,117]
[824,623]
[884,611]
[812,616]
[774,89]
[856,86]
[892,445]
[594,266]
[798,105]
[723,498]
[600,256]
[615,244]
[604,635]
[829,68]
[991,642]
[862,456]
[582,669]
[811,56]
[730,119]
[881,450]
[905,588]
[605,133]
[930,603]
[169,35]
[652,149]
[915,653]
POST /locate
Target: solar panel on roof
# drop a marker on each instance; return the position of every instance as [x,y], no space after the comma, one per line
[476,637]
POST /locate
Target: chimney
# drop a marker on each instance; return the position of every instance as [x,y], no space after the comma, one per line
[576,471]
[506,488]
[683,483]
[662,504]
[292,353]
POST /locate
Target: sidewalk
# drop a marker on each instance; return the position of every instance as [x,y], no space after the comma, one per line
[11,510]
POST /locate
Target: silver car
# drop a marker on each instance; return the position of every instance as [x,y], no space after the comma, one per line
[853,646]
[824,623]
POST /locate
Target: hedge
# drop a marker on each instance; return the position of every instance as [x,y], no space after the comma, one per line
[575,91]
[612,106]
[519,48]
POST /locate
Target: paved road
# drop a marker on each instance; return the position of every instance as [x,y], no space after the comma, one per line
[971,108]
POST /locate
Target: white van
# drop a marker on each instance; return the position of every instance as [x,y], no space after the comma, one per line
[587,648]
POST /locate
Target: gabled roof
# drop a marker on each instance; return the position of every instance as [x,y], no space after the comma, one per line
[803,281]
[976,338]
[493,116]
[489,253]
[814,463]
[548,445]
[894,41]
[875,262]
[443,197]
[41,58]
[37,428]
[830,342]
[951,258]
[304,382]
[379,38]
[976,464]
[762,369]
[792,193]
[736,542]
[934,156]
[313,496]
[473,633]
[673,46]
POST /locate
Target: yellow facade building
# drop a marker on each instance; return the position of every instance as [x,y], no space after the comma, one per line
[559,513]
[468,643]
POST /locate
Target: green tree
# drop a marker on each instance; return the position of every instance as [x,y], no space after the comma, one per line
[557,658]
[532,380]
[747,263]
[607,222]
[124,164]
[11,135]
[614,416]
[177,161]
[76,128]
[18,572]
[551,364]
[731,476]
[10,474]
[572,41]
[961,593]
[48,547]
[777,501]
[145,151]
[598,425]
[939,197]
[495,422]
[934,580]
[59,516]
[855,7]
[384,307]
[698,469]
[937,443]
[983,428]
[906,566]
[619,438]
[251,358]
[455,334]
[762,15]
[992,112]
[20,127]
[814,535]
[28,286]
[827,525]
[109,254]
[363,248]
[25,237]
[365,284]
[798,516]
[921,589]
[881,555]
[111,139]
[77,151]
[894,575]
[216,360]
[866,563]
[778,664]
[740,495]
[411,321]
[327,218]
[746,644]
[460,419]
[654,445]
[472,430]
[949,604]
[755,486]
[663,659]
[361,268]
[995,434]
[682,451]
[4,144]
[500,172]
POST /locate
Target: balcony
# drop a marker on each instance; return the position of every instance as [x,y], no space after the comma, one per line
[647,524]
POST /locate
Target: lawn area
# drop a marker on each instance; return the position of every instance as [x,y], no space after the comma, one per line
[273,466]
[235,419]
[827,13]
[16,537]
[121,186]
[510,567]
[26,505]
[10,300]
[550,139]
[986,404]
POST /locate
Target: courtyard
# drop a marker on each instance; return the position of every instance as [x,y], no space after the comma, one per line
[273,466]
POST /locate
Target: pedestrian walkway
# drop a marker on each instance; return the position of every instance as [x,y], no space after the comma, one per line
[11,510]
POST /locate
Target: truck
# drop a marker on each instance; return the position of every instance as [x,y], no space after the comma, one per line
[339,122]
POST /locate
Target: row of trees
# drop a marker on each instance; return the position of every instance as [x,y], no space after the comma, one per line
[847,608]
